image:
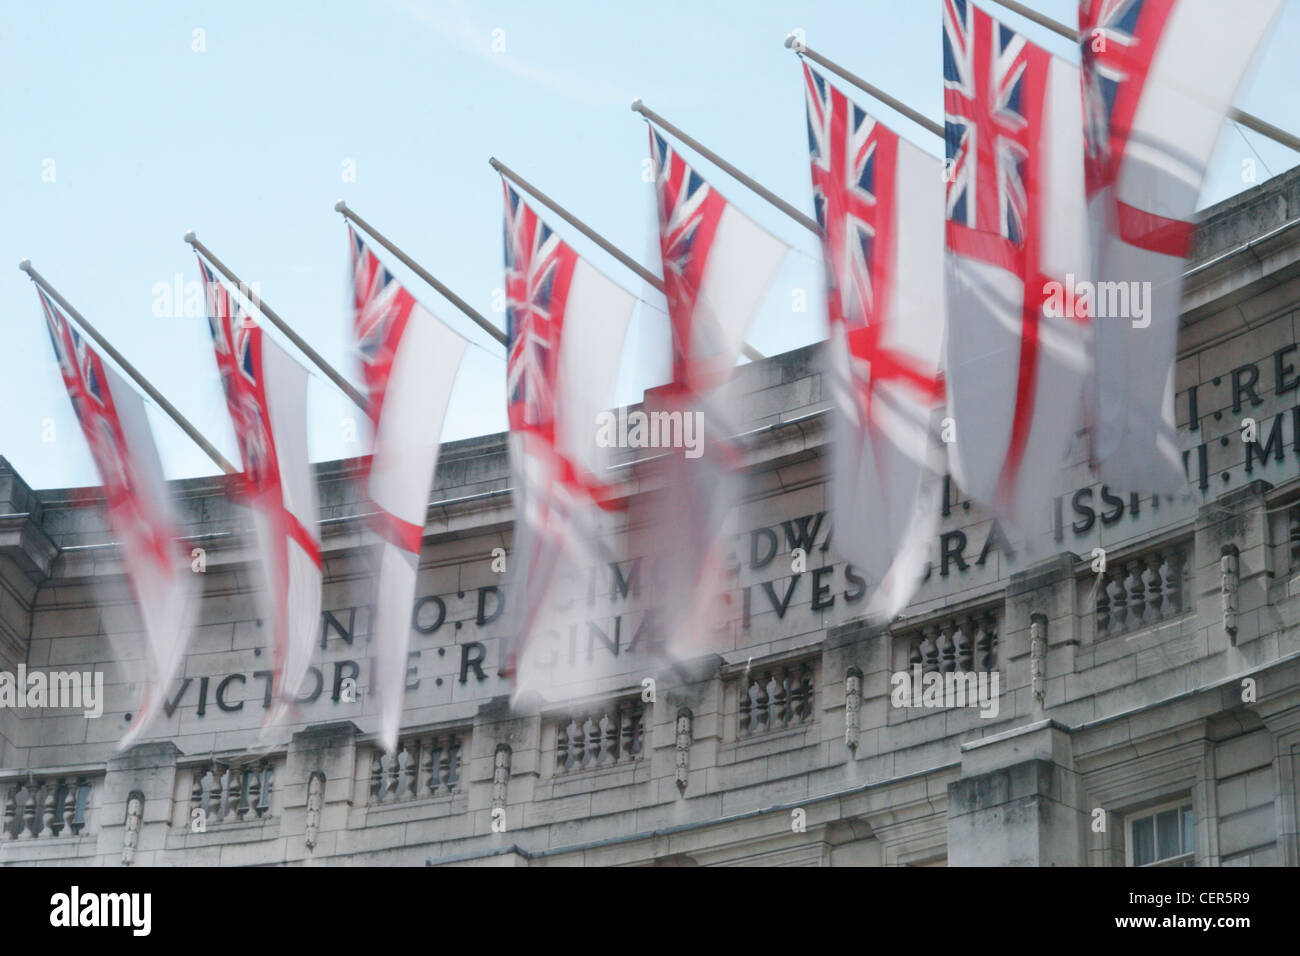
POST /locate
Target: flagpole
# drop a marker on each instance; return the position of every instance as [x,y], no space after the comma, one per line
[116,356]
[577,223]
[1248,120]
[331,373]
[474,315]
[711,156]
[750,352]
[920,119]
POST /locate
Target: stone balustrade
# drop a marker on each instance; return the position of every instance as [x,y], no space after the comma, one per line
[423,766]
[600,737]
[964,642]
[227,791]
[44,806]
[776,698]
[1142,590]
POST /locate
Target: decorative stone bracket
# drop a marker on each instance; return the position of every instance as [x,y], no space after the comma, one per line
[315,796]
[131,826]
[684,719]
[852,707]
[1038,655]
[1230,572]
[500,776]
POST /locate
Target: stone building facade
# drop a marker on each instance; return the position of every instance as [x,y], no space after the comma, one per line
[1147,710]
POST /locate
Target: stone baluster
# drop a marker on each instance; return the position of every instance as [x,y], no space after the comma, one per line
[28,804]
[408,769]
[9,818]
[986,648]
[745,709]
[800,695]
[439,753]
[1152,584]
[266,780]
[964,645]
[929,649]
[64,795]
[573,734]
[1118,604]
[947,648]
[591,742]
[631,743]
[608,740]
[1136,595]
[83,800]
[561,747]
[1294,516]
[762,710]
[780,689]
[1171,584]
[242,781]
[1102,607]
[222,796]
[47,794]
[426,783]
[453,763]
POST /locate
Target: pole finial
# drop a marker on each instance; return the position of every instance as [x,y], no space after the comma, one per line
[190,237]
[636,105]
[26,266]
[340,206]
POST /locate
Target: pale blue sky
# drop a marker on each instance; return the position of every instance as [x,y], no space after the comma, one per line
[246,143]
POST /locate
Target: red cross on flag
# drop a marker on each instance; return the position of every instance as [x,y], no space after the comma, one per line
[409,362]
[1015,211]
[718,265]
[1158,81]
[266,395]
[565,324]
[880,209]
[140,512]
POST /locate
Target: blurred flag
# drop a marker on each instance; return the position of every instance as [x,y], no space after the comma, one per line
[266,394]
[1158,82]
[140,513]
[565,328]
[409,361]
[718,265]
[1016,363]
[880,210]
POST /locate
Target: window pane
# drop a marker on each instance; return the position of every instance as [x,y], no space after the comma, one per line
[1144,850]
[1189,842]
[1167,834]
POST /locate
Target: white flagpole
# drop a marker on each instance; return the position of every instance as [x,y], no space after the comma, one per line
[472,313]
[331,373]
[144,383]
[803,220]
[750,352]
[1248,120]
[920,119]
